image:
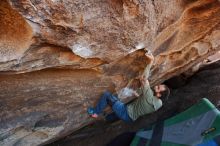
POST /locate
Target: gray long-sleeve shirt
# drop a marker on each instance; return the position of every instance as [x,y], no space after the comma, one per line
[146,103]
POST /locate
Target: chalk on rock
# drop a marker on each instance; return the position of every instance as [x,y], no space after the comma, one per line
[125,92]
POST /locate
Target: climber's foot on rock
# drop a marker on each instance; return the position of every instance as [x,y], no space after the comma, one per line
[91,112]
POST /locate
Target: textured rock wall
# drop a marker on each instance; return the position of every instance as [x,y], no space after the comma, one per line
[15,36]
[204,84]
[87,47]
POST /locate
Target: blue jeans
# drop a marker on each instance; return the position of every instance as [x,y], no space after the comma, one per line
[119,108]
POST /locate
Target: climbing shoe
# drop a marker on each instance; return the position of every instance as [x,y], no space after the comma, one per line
[91,112]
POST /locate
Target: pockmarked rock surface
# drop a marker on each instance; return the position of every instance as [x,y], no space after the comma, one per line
[57,57]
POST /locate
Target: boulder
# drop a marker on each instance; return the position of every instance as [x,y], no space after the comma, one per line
[203,84]
[57,57]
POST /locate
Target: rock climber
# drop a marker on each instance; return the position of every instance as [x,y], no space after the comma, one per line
[148,100]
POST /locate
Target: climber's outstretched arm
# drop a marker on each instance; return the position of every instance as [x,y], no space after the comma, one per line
[148,67]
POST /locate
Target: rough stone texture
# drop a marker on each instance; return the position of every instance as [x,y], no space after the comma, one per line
[44,105]
[16,34]
[205,83]
[87,47]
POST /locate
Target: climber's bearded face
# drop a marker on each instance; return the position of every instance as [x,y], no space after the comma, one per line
[159,89]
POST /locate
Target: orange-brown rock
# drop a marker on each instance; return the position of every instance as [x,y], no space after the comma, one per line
[57,57]
[15,34]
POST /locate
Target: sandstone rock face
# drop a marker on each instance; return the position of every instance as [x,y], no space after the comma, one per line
[15,36]
[204,84]
[86,47]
